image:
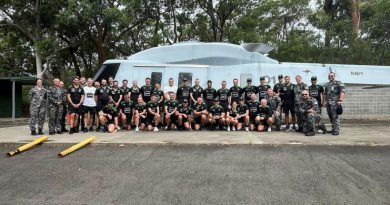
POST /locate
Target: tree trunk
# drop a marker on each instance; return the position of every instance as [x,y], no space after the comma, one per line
[38,59]
[356,4]
[102,56]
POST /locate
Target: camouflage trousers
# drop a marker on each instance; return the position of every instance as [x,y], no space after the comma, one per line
[55,118]
[37,115]
[333,116]
[309,122]
[276,117]
[299,116]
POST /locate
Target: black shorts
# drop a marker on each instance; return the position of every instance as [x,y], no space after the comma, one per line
[252,119]
[142,120]
[225,108]
[184,120]
[100,106]
[149,119]
[288,108]
[72,110]
[90,110]
[129,116]
[198,120]
[173,119]
[241,120]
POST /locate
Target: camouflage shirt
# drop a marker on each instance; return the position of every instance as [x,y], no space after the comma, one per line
[298,90]
[310,103]
[56,94]
[37,96]
[333,90]
[273,102]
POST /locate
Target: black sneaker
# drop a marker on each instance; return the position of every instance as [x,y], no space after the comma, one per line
[40,132]
[169,128]
[71,131]
[52,133]
[98,129]
[323,128]
[309,134]
[277,128]
[336,133]
[64,130]
[33,133]
[180,128]
[90,129]
[85,130]
[76,130]
[300,129]
[59,132]
[330,132]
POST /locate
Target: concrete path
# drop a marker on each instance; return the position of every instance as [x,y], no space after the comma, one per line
[353,133]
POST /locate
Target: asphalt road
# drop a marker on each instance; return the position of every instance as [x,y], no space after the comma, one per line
[197,175]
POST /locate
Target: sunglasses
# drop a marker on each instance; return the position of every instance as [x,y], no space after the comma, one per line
[305,94]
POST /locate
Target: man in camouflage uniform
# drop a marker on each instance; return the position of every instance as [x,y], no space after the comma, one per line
[300,86]
[310,111]
[37,97]
[56,96]
[275,103]
[333,97]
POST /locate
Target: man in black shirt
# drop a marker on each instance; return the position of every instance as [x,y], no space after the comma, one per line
[170,111]
[209,94]
[134,92]
[262,88]
[235,93]
[316,91]
[200,114]
[146,91]
[248,90]
[243,111]
[184,91]
[160,99]
[140,115]
[75,98]
[265,114]
[223,94]
[102,95]
[153,114]
[197,92]
[216,115]
[183,114]
[253,106]
[116,94]
[126,110]
[109,118]
[288,103]
[125,90]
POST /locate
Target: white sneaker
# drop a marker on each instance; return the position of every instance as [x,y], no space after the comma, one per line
[156,129]
[136,129]
[234,128]
[166,127]
[247,129]
[269,129]
[118,128]
[228,129]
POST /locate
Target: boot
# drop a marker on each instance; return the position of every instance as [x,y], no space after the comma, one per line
[34,133]
[323,128]
[309,134]
[64,130]
[40,132]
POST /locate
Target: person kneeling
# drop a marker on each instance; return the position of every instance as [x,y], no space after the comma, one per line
[108,117]
[265,117]
[183,114]
[216,115]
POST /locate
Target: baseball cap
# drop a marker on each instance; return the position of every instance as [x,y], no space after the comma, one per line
[216,100]
[262,78]
[110,101]
[249,80]
[241,98]
[185,79]
[280,76]
[313,78]
[185,101]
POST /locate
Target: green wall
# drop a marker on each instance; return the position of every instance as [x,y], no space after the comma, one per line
[6,99]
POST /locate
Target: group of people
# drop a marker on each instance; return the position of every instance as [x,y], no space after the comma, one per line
[186,108]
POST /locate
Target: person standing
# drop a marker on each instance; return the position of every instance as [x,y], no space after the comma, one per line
[116,94]
[101,97]
[300,86]
[333,99]
[75,98]
[125,90]
[222,95]
[275,104]
[262,88]
[170,88]
[37,97]
[235,93]
[248,90]
[184,91]
[146,91]
[288,103]
[160,99]
[197,92]
[56,97]
[89,106]
[134,92]
[209,94]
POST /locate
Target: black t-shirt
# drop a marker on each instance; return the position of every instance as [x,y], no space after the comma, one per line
[278,88]
[253,107]
[103,94]
[262,90]
[288,94]
[171,105]
[216,110]
[146,92]
[183,110]
[125,91]
[139,108]
[126,107]
[316,92]
[113,112]
[235,92]
[115,94]
[199,108]
[242,109]
[265,112]
[135,92]
[209,94]
[248,92]
[223,96]
[159,94]
[75,94]
[233,113]
[197,92]
[183,92]
[152,105]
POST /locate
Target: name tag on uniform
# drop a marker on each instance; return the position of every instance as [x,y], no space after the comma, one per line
[248,94]
[170,109]
[262,93]
[89,95]
[194,90]
[235,94]
[285,89]
[72,90]
[127,110]
[253,109]
[223,97]
[101,90]
[332,88]
[113,92]
[157,97]
[314,93]
[147,93]
[185,93]
[210,96]
[153,109]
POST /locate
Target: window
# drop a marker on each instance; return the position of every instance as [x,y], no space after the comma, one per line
[185,75]
[156,78]
[107,70]
[243,79]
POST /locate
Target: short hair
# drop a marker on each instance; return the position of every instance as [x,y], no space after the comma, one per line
[270,89]
[124,80]
[197,79]
[103,79]
[110,77]
[170,79]
[82,77]
[115,81]
[153,95]
[147,78]
[286,76]
[38,79]
[89,79]
[75,77]
[156,84]
[224,81]
[235,79]
[298,76]
[134,81]
[126,96]
[333,73]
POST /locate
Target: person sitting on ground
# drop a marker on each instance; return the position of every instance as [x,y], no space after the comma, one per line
[183,114]
[216,115]
[200,113]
